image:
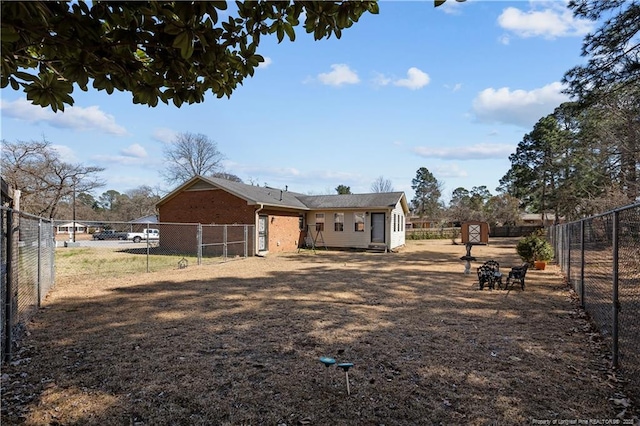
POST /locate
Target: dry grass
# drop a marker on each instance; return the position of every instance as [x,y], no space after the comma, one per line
[111,263]
[238,343]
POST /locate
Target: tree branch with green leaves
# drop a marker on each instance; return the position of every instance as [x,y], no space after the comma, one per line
[159,51]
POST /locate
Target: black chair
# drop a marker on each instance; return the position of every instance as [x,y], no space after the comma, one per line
[497,275]
[517,273]
[485,276]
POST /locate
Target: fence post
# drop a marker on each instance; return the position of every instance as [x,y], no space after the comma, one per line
[147,246]
[568,230]
[582,249]
[39,278]
[52,254]
[224,242]
[199,238]
[8,310]
[616,302]
[246,241]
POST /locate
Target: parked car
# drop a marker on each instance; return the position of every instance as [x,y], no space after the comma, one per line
[110,234]
[146,234]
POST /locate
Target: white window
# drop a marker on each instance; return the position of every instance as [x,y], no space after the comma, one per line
[358,222]
[338,222]
[319,221]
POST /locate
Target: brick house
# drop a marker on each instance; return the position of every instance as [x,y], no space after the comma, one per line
[284,220]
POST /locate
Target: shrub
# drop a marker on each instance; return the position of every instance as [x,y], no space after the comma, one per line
[534,247]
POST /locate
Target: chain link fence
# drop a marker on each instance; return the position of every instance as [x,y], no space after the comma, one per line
[37,252]
[120,248]
[600,256]
[28,271]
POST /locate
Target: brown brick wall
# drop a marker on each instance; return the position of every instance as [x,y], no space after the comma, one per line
[284,232]
[214,206]
[221,207]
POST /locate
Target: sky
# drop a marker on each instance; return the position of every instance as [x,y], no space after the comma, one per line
[453,89]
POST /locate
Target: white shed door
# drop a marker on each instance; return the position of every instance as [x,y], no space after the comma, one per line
[474,234]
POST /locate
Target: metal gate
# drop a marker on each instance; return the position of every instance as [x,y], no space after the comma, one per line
[221,242]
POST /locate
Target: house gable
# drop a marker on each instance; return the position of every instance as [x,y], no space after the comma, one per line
[206,206]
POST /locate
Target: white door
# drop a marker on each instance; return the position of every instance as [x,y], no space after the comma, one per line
[475,234]
[263,239]
[377,228]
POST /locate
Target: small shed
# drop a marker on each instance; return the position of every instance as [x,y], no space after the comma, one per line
[475,232]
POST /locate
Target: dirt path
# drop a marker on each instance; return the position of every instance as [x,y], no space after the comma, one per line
[238,343]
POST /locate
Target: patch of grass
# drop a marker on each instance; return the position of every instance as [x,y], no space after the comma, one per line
[71,252]
[113,262]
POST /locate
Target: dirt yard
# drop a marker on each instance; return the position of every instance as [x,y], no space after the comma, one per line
[239,344]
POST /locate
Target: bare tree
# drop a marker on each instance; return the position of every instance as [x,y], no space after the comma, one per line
[382,185]
[227,176]
[191,155]
[44,180]
[503,209]
[138,202]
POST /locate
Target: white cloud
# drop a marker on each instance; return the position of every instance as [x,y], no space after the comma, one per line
[76,118]
[266,63]
[340,74]
[455,88]
[252,170]
[518,107]
[162,134]
[65,153]
[479,151]
[450,7]
[135,150]
[504,39]
[90,118]
[285,171]
[416,79]
[555,20]
[122,160]
[380,79]
[449,171]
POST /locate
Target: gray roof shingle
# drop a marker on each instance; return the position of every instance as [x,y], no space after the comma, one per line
[381,200]
[260,194]
[273,197]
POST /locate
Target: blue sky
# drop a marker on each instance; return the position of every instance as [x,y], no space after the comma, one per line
[452,89]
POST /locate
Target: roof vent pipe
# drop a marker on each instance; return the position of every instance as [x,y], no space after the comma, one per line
[281,195]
